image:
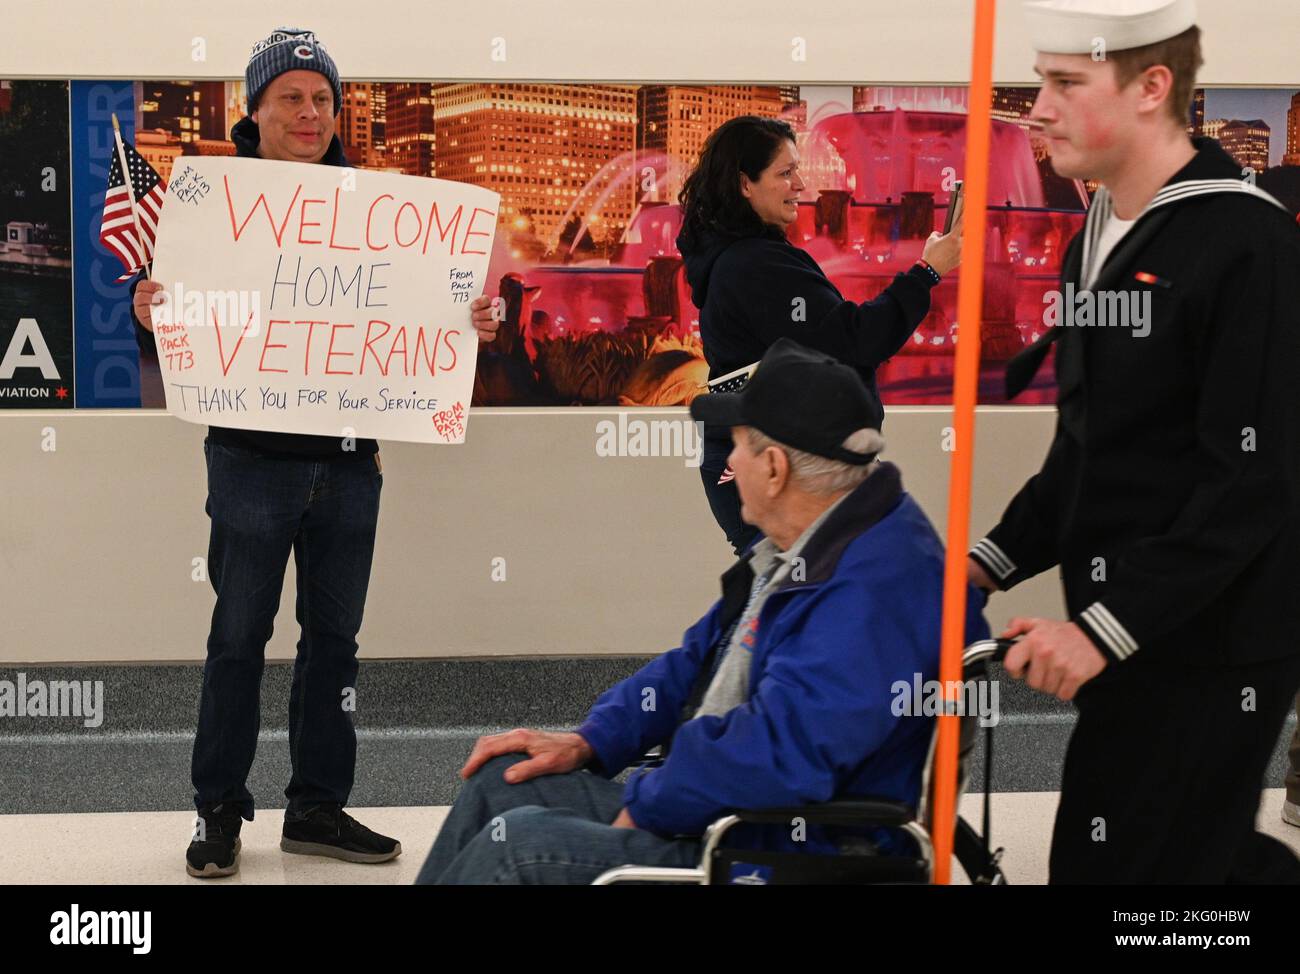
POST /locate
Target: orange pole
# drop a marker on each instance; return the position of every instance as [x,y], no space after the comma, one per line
[965,388]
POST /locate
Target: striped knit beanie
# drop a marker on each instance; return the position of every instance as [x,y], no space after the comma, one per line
[289,49]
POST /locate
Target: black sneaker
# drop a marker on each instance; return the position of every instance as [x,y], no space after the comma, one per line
[327,830]
[214,847]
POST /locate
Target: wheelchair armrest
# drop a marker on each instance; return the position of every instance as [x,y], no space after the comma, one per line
[847,811]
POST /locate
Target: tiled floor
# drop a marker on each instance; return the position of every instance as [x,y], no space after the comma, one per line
[148,847]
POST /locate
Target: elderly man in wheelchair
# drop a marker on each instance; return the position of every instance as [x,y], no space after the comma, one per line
[778,714]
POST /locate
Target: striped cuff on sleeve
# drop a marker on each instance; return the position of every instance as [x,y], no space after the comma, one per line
[1105,630]
[994,559]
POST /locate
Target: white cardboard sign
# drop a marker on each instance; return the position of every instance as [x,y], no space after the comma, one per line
[318,299]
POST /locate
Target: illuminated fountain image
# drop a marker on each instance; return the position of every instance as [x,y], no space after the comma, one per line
[621,328]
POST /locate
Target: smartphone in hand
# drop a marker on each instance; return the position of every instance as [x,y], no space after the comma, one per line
[955,205]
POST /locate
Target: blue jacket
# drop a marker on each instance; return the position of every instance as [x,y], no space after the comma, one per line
[819,722]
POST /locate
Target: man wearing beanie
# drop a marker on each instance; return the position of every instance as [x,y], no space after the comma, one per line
[274,494]
[1170,496]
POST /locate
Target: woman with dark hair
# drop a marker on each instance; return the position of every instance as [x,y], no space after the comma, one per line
[753,286]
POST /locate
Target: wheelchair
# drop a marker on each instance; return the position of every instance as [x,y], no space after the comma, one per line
[721,866]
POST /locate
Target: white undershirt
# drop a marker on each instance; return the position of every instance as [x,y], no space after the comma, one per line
[1111,234]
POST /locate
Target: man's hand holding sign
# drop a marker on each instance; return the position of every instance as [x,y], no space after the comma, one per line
[321,300]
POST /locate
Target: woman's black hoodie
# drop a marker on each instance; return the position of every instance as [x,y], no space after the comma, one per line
[748,289]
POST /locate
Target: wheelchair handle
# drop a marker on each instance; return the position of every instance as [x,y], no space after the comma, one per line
[986,649]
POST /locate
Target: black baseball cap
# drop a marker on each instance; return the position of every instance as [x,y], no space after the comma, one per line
[799,397]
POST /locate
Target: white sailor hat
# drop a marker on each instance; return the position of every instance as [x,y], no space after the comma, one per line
[1073,26]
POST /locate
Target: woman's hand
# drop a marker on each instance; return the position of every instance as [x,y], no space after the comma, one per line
[943,251]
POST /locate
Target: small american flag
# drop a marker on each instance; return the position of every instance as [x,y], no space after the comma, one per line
[731,382]
[117,232]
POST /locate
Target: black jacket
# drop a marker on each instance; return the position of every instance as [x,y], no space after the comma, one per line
[746,289]
[1170,496]
[246,137]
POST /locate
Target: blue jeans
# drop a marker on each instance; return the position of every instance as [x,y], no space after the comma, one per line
[550,830]
[262,509]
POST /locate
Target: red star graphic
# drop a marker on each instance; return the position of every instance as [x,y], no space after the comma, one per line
[61,392]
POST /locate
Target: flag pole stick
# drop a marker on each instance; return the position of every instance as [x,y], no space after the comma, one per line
[970,295]
[130,195]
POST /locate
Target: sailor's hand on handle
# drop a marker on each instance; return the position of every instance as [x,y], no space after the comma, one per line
[147,297]
[485,317]
[1051,656]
